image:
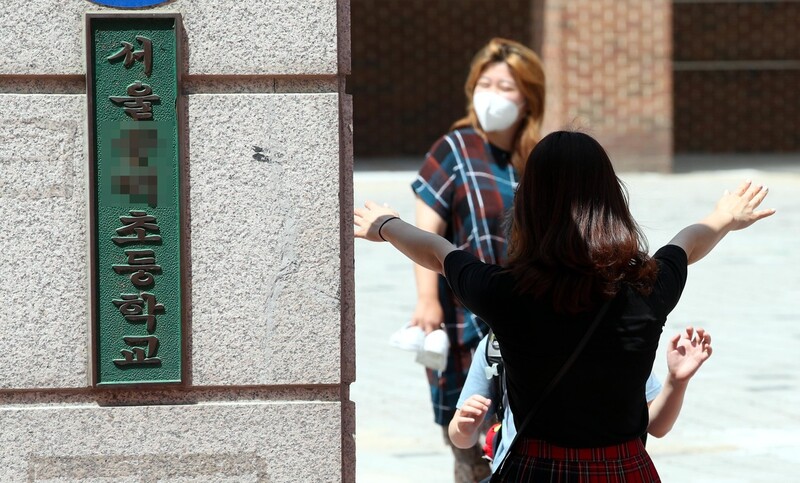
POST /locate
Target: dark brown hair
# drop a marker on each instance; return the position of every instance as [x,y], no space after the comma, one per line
[573,238]
[528,73]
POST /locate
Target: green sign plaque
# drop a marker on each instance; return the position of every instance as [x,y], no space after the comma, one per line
[133,87]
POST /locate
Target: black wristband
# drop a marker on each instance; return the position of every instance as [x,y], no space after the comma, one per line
[387,220]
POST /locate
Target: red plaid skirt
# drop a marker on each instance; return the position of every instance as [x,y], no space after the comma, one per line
[535,461]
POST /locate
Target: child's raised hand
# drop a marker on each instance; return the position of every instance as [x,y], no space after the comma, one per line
[471,415]
[687,351]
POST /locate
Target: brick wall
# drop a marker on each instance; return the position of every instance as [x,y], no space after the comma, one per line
[729,86]
[609,71]
[607,61]
[410,61]
[737,76]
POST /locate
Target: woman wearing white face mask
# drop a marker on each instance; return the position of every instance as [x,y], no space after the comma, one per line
[463,190]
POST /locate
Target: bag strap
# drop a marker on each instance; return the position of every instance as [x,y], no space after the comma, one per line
[552,385]
[495,372]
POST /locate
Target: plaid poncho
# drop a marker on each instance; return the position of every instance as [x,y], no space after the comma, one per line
[470,184]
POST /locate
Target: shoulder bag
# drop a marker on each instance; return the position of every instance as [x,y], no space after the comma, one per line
[497,476]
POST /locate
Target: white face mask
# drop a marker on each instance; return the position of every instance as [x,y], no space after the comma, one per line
[495,112]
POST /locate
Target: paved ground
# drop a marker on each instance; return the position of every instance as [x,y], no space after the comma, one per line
[741,419]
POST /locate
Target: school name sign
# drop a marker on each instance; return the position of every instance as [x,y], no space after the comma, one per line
[133,88]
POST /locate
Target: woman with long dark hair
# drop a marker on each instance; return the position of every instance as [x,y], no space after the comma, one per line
[576,256]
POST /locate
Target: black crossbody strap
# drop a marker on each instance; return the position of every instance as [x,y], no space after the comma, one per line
[553,382]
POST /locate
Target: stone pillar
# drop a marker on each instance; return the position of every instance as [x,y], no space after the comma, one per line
[267,191]
[609,72]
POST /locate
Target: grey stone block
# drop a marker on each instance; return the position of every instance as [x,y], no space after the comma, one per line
[43,242]
[265,272]
[256,37]
[264,235]
[252,442]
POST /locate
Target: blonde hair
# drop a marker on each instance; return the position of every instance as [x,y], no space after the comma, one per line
[528,73]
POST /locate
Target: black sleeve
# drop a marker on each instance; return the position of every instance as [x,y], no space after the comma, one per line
[672,270]
[473,282]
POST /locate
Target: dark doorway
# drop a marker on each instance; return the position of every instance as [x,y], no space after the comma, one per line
[409,62]
[737,76]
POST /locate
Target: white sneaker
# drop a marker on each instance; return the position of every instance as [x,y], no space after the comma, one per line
[409,338]
[434,350]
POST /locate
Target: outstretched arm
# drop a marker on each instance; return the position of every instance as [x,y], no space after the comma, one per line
[428,313]
[422,247]
[687,351]
[465,426]
[734,211]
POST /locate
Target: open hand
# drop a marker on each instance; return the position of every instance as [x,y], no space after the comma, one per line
[742,203]
[368,220]
[687,351]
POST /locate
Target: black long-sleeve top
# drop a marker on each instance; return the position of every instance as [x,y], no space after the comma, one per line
[601,400]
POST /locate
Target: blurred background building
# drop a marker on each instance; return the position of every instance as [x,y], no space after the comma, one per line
[656,81]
